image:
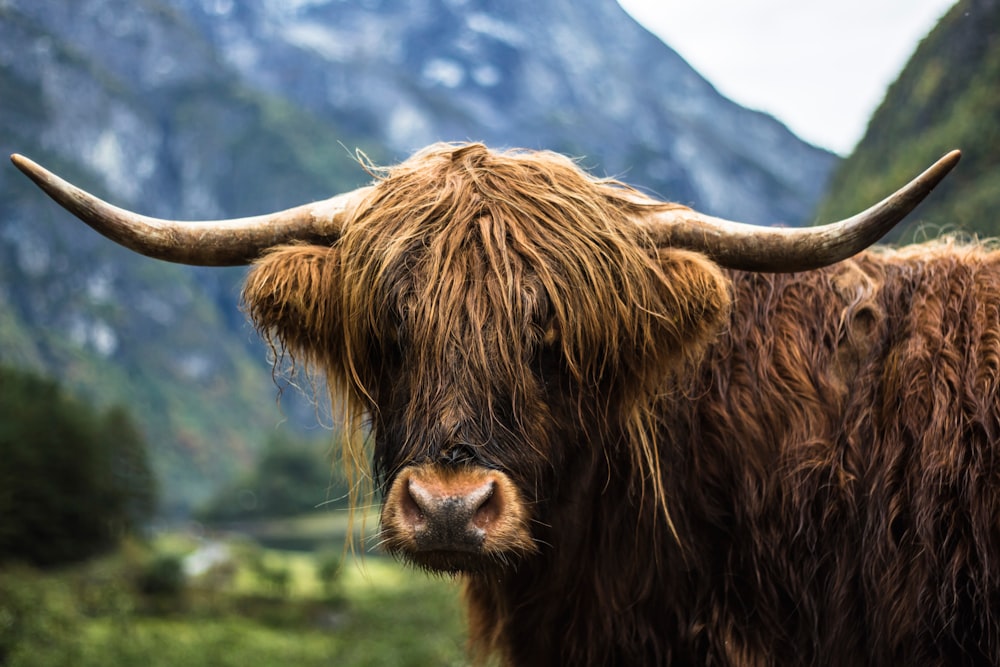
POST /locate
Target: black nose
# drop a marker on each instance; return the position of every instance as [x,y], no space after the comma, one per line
[456,519]
[450,518]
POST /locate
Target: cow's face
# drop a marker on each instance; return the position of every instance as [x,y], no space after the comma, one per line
[499,320]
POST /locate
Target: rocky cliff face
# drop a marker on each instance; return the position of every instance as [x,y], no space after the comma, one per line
[580,78]
[200,108]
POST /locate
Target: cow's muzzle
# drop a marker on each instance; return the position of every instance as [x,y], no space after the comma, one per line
[451,519]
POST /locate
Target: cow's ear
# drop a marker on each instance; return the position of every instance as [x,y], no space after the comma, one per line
[694,298]
[292,294]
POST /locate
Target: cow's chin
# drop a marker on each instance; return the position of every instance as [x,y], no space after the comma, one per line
[457,562]
[450,519]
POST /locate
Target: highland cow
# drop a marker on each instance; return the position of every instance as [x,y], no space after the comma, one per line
[641,435]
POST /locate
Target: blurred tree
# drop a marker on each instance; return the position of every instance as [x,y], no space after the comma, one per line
[133,489]
[293,476]
[72,480]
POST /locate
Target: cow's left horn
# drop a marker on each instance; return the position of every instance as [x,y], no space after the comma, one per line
[738,245]
[202,243]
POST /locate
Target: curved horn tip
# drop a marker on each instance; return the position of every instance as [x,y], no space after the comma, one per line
[27,166]
[941,168]
[949,159]
[20,161]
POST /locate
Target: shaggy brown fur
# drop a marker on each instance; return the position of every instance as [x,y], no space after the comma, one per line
[829,460]
[469,264]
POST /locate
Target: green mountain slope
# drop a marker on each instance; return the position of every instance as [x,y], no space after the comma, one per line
[167,340]
[948,96]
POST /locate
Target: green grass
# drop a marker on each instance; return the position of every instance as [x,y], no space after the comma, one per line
[381,613]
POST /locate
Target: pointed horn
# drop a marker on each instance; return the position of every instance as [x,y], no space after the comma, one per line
[201,243]
[737,245]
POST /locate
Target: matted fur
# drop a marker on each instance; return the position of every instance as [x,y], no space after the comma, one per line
[839,461]
[827,446]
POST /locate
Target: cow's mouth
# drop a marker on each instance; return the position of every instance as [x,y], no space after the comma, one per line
[455,519]
[453,562]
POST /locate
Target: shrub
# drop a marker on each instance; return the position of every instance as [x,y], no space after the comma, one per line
[162,577]
[73,480]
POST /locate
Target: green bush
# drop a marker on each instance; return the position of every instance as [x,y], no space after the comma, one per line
[40,621]
[73,480]
[329,567]
[162,576]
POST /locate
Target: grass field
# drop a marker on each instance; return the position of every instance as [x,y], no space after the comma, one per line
[374,612]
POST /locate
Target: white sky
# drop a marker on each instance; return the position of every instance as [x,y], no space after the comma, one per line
[820,67]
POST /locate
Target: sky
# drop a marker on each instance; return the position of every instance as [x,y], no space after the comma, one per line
[819,67]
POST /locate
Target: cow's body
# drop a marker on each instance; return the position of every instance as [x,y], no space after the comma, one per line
[835,479]
[632,456]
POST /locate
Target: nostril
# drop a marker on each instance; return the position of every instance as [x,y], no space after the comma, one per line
[488,507]
[415,503]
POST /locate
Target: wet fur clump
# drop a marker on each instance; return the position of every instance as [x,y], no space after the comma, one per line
[838,466]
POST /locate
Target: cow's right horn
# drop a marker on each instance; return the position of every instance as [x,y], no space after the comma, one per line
[737,245]
[201,243]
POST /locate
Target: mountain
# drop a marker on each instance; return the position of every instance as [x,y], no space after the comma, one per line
[947,96]
[580,78]
[167,340]
[218,108]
